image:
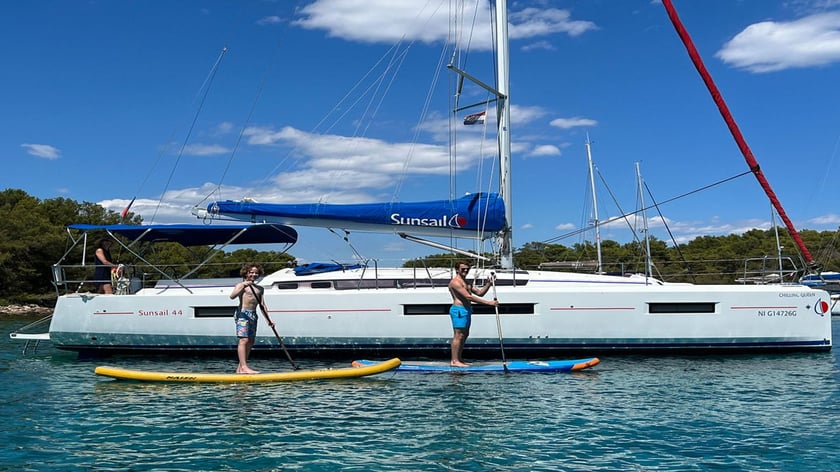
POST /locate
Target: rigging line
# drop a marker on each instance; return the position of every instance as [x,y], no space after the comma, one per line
[245,125]
[482,149]
[452,123]
[423,114]
[209,82]
[391,70]
[338,105]
[372,107]
[480,174]
[427,105]
[346,239]
[163,151]
[234,31]
[825,251]
[458,17]
[456,30]
[618,205]
[373,91]
[491,172]
[678,197]
[397,59]
[392,52]
[670,234]
[462,64]
[495,47]
[827,172]
[455,88]
[462,47]
[374,86]
[587,217]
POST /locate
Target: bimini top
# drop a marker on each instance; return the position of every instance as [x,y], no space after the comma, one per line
[200,235]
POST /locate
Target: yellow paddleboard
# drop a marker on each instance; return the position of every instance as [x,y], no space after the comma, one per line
[151,376]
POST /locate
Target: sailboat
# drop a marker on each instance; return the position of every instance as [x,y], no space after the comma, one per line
[370,310]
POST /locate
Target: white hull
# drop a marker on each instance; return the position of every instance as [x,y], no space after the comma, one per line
[551,313]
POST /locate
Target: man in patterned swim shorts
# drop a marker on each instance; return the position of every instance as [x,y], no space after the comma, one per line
[250,295]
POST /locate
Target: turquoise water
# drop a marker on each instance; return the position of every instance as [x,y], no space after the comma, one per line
[740,412]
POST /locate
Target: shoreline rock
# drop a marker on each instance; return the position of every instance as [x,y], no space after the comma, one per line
[25,310]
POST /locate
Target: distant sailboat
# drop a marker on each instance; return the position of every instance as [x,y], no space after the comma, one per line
[596,222]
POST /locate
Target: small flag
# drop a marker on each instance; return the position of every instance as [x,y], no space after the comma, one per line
[125,211]
[475,119]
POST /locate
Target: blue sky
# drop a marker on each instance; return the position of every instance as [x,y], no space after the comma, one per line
[104,101]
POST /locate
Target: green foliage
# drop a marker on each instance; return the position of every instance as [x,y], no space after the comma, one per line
[33,238]
[705,260]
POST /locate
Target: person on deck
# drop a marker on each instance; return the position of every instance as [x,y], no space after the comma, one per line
[250,297]
[102,273]
[463,296]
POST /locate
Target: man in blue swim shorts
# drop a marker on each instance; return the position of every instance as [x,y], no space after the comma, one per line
[463,296]
[250,296]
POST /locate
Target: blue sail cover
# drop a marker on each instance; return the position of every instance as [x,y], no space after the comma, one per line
[478,215]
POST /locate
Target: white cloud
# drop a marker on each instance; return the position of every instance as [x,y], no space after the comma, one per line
[829,219]
[388,21]
[42,150]
[546,150]
[541,45]
[374,21]
[269,20]
[328,162]
[567,123]
[205,149]
[532,22]
[520,115]
[223,128]
[772,46]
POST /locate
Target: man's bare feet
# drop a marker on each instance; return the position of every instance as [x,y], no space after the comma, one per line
[246,370]
[458,364]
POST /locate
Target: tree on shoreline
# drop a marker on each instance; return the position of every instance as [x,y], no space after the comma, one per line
[33,237]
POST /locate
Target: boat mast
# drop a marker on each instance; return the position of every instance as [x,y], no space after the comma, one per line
[648,263]
[503,113]
[595,221]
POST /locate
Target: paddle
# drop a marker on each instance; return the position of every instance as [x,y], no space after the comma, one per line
[498,321]
[271,324]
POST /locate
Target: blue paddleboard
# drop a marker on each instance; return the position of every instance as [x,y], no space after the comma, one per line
[512,366]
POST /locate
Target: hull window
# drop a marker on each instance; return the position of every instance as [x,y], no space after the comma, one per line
[286,285]
[443,309]
[673,308]
[214,311]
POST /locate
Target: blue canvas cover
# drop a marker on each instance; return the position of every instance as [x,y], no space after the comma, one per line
[321,267]
[199,235]
[475,215]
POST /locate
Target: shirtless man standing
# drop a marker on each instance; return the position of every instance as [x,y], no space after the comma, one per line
[463,296]
[250,295]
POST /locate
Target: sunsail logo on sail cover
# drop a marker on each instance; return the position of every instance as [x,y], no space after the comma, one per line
[454,221]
